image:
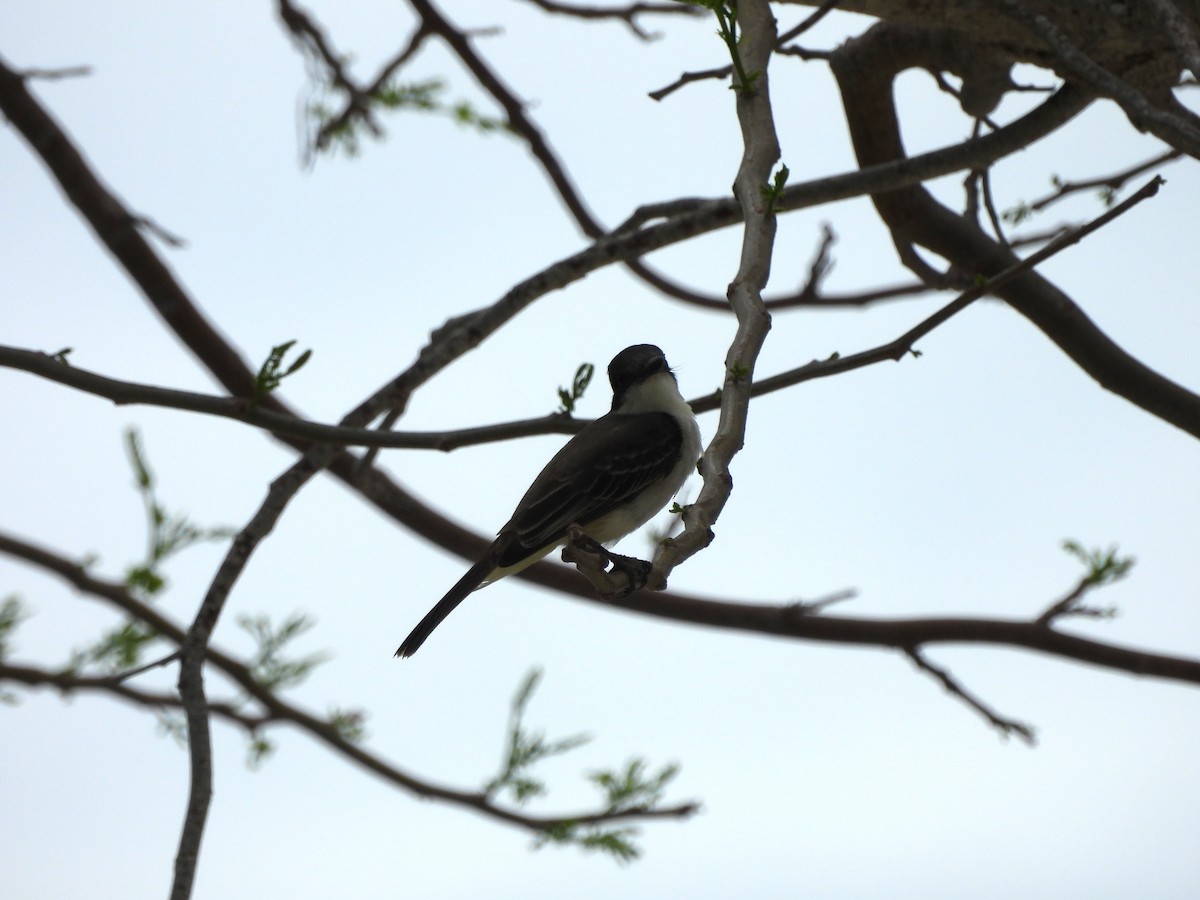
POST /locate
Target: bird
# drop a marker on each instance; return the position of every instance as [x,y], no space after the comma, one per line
[611,478]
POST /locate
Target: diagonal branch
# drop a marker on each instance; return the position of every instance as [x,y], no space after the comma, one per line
[514,109]
[865,69]
[1007,727]
[276,709]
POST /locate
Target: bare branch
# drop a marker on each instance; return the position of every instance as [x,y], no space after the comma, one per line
[514,109]
[808,296]
[67,682]
[627,14]
[902,345]
[1007,727]
[194,650]
[865,68]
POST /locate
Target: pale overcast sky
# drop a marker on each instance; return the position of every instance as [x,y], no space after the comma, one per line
[942,485]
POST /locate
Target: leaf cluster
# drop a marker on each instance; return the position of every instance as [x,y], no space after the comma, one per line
[568,397]
[344,132]
[525,748]
[269,666]
[630,788]
[773,193]
[726,12]
[12,613]
[1103,566]
[271,373]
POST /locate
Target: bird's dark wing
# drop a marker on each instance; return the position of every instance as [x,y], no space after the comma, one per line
[606,464]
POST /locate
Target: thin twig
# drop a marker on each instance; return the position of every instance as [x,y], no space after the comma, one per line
[1007,727]
[627,14]
[1112,182]
[896,349]
[722,72]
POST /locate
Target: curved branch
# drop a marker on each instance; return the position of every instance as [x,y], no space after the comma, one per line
[795,621]
[865,68]
[279,710]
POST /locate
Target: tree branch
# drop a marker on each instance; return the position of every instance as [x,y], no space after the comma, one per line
[751,188]
[1179,130]
[1007,727]
[627,14]
[128,393]
[865,68]
[276,709]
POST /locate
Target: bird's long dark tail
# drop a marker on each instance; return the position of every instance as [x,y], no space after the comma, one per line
[446,605]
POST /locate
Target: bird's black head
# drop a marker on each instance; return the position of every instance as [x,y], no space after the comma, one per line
[632,366]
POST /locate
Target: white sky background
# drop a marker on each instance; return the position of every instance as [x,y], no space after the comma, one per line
[938,485]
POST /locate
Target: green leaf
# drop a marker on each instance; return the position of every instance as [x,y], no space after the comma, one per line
[349,723]
[120,648]
[271,373]
[1103,566]
[257,750]
[141,472]
[632,787]
[524,749]
[144,581]
[568,397]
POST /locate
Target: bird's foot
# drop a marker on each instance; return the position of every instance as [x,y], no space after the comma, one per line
[636,570]
[626,575]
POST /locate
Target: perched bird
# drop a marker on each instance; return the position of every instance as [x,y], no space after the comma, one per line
[610,478]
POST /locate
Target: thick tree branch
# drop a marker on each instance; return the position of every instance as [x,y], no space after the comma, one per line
[865,68]
[795,621]
[1179,129]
